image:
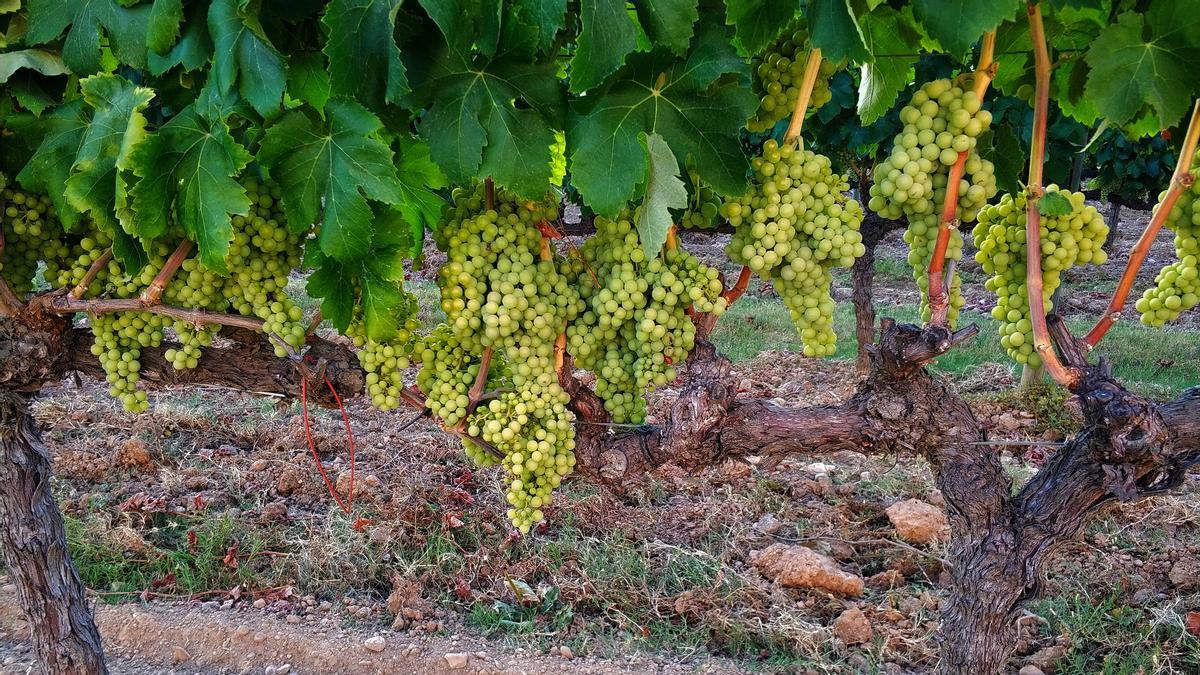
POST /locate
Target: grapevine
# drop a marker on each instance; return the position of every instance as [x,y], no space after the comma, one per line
[1177,285]
[777,80]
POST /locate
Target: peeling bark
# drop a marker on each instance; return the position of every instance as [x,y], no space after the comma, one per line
[65,638]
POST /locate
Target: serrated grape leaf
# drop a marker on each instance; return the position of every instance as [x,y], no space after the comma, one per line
[379,279]
[1014,56]
[244,57]
[1007,158]
[419,176]
[467,23]
[364,61]
[669,22]
[40,60]
[192,50]
[96,185]
[50,166]
[162,29]
[308,80]
[1054,204]
[85,22]
[698,105]
[492,117]
[29,93]
[890,38]
[543,20]
[385,303]
[336,292]
[758,22]
[958,24]
[834,28]
[1145,60]
[664,191]
[608,35]
[328,171]
[189,169]
[1071,77]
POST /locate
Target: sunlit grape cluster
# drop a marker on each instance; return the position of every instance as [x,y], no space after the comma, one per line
[31,233]
[385,361]
[1177,286]
[636,327]
[502,290]
[778,74]
[796,224]
[558,159]
[1066,241]
[941,121]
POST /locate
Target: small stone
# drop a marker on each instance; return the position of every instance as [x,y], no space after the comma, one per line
[1007,423]
[1185,573]
[1031,670]
[800,567]
[292,618]
[375,644]
[258,466]
[852,627]
[271,670]
[241,631]
[456,660]
[284,669]
[768,524]
[481,655]
[260,603]
[918,522]
[180,655]
[565,652]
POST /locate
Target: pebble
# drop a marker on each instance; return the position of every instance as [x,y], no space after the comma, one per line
[284,669]
[292,618]
[1031,670]
[260,603]
[242,630]
[375,644]
[565,652]
[456,660]
[180,655]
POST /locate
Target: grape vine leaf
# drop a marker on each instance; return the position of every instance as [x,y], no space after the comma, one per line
[664,191]
[608,35]
[957,24]
[1146,60]
[50,166]
[698,105]
[491,116]
[364,61]
[1007,156]
[419,176]
[757,23]
[96,185]
[244,57]
[889,37]
[1054,204]
[835,29]
[378,277]
[189,170]
[542,18]
[162,26]
[192,50]
[40,60]
[85,22]
[335,288]
[467,23]
[669,22]
[329,170]
[308,80]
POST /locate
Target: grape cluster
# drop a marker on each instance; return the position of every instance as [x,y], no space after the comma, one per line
[558,159]
[504,290]
[940,121]
[1177,286]
[704,205]
[796,224]
[385,361]
[84,251]
[1066,241]
[778,75]
[636,324]
[31,233]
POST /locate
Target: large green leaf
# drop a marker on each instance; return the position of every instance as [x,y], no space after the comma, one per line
[419,176]
[50,166]
[664,191]
[669,23]
[834,28]
[958,24]
[40,60]
[698,105]
[758,22]
[163,25]
[378,280]
[364,61]
[193,49]
[1146,60]
[891,38]
[467,23]
[541,21]
[244,57]
[189,170]
[86,21]
[96,185]
[308,80]
[492,117]
[328,170]
[608,35]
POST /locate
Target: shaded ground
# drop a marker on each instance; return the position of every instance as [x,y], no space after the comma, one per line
[206,514]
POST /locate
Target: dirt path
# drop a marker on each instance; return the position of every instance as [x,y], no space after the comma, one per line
[179,638]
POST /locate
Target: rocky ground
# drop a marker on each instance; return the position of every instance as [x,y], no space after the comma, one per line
[212,546]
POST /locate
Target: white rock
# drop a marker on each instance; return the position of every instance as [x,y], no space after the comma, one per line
[375,644]
[456,660]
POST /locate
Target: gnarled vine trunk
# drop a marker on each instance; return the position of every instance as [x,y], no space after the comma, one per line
[65,638]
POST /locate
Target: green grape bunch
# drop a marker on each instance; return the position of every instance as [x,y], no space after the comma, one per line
[32,233]
[941,121]
[793,227]
[1069,240]
[778,75]
[636,326]
[704,206]
[1177,286]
